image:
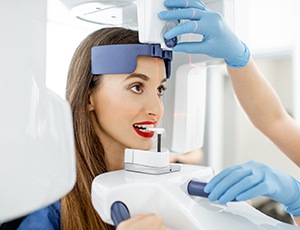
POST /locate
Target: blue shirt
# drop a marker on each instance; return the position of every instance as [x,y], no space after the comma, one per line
[47,218]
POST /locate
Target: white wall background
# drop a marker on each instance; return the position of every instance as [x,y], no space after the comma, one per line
[267,24]
[64,33]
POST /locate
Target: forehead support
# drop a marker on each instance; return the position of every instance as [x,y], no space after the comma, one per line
[122,58]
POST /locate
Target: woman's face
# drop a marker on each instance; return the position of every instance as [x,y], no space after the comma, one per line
[125,104]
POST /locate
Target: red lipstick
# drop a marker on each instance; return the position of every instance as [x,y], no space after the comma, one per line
[140,128]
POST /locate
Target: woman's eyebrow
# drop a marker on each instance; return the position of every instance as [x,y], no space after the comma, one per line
[138,75]
[142,76]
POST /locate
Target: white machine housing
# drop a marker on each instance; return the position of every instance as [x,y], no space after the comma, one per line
[165,194]
[37,165]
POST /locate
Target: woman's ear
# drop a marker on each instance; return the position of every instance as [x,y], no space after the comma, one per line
[91,101]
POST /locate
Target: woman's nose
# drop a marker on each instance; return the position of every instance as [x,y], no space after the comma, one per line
[154,106]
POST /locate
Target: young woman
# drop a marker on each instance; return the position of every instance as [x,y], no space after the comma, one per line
[111,107]
[257,98]
[110,112]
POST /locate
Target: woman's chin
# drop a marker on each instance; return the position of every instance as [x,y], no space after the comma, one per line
[144,146]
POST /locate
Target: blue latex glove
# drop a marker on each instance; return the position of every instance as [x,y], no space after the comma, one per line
[218,39]
[252,179]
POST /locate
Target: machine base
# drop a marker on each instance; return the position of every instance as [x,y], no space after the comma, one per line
[166,196]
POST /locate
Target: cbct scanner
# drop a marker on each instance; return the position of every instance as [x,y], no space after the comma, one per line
[37,153]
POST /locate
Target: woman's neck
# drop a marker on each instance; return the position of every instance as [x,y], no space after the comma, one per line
[114,156]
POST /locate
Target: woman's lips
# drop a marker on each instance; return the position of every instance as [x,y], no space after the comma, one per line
[144,134]
[141,129]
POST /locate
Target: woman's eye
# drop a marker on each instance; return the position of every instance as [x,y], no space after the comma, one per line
[137,88]
[161,90]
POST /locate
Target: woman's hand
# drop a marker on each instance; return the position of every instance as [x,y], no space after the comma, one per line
[218,39]
[145,222]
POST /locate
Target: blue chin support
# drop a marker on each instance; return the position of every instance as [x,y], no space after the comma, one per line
[122,58]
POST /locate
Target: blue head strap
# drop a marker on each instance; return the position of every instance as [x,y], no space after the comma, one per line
[122,58]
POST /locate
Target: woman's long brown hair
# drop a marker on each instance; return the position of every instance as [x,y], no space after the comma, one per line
[77,211]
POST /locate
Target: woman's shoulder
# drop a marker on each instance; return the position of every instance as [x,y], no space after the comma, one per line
[47,218]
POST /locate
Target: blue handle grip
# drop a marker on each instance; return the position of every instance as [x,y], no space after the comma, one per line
[196,188]
[119,212]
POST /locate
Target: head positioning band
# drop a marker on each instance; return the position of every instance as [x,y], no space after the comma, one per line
[122,58]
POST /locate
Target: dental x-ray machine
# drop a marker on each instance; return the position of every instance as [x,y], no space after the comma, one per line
[149,183]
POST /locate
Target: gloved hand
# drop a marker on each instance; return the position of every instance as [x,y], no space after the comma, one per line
[218,39]
[252,179]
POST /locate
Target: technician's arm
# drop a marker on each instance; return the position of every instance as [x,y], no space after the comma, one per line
[263,107]
[254,93]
